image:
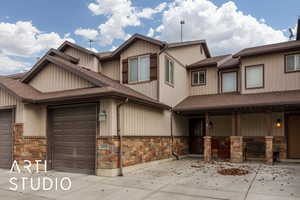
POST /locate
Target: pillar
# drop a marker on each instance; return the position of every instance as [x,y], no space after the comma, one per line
[269,149]
[207,148]
[236,149]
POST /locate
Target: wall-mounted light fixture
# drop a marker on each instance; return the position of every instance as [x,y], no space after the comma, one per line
[210,124]
[278,123]
[102,115]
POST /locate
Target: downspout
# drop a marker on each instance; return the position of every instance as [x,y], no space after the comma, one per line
[120,135]
[172,136]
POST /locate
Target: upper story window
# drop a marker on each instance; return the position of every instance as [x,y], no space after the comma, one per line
[199,77]
[139,68]
[254,76]
[169,71]
[229,82]
[292,63]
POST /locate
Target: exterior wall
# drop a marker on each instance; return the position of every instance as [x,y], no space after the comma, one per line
[188,54]
[172,95]
[35,120]
[8,100]
[148,88]
[85,59]
[211,86]
[275,77]
[109,126]
[111,69]
[138,150]
[53,78]
[141,48]
[252,124]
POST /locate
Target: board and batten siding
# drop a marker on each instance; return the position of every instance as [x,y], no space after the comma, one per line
[111,69]
[141,47]
[35,120]
[85,59]
[211,86]
[275,78]
[252,124]
[108,127]
[187,54]
[7,99]
[53,78]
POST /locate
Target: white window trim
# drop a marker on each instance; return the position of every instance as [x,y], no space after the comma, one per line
[138,68]
[198,72]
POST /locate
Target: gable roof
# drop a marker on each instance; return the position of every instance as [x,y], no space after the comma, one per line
[208,62]
[230,63]
[67,44]
[188,43]
[105,86]
[271,48]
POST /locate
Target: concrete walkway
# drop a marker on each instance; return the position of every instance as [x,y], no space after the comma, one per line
[186,179]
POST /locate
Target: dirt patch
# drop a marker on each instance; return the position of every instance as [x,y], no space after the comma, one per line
[233,172]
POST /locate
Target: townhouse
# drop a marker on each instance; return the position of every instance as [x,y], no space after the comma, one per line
[148,100]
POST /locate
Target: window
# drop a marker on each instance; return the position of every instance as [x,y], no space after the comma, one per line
[229,81]
[139,69]
[169,71]
[292,63]
[254,76]
[198,78]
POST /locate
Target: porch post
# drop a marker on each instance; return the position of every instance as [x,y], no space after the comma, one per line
[269,139]
[236,140]
[207,140]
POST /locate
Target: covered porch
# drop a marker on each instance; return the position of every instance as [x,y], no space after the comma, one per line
[268,131]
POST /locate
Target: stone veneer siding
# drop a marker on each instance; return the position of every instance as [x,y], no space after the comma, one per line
[137,150]
[28,147]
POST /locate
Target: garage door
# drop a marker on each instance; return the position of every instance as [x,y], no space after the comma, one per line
[293,136]
[73,132]
[6,119]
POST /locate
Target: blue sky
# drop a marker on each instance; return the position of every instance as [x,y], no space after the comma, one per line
[225,25]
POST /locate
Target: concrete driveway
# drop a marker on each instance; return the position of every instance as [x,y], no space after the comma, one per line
[186,179]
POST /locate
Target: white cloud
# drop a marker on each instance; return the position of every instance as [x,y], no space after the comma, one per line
[22,39]
[225,28]
[120,14]
[25,40]
[151,32]
[8,65]
[90,34]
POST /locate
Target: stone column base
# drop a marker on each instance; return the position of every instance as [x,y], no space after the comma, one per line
[207,148]
[236,149]
[269,149]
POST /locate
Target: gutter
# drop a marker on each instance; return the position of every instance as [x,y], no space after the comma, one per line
[120,135]
[172,136]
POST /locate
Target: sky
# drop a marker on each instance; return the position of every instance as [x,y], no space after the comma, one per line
[30,28]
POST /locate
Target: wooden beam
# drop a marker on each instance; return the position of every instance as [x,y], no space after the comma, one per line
[207,124]
[233,124]
[238,124]
[269,123]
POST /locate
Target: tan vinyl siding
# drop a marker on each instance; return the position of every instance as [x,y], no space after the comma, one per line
[149,88]
[141,48]
[256,124]
[211,86]
[109,126]
[188,54]
[53,78]
[172,95]
[221,125]
[275,77]
[111,69]
[8,100]
[35,119]
[85,59]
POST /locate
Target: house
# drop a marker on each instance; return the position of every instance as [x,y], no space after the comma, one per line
[148,100]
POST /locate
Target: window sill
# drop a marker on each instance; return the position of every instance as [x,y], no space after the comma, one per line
[197,85]
[139,82]
[170,84]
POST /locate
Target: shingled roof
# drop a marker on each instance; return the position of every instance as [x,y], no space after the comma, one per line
[272,48]
[208,62]
[231,101]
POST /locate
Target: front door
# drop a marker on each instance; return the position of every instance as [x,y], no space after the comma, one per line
[196,135]
[294,136]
